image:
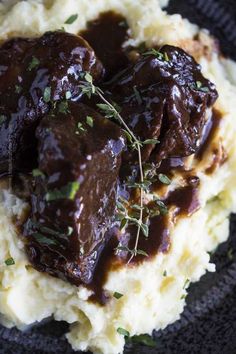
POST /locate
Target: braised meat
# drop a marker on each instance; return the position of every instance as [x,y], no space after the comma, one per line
[75,192]
[164,96]
[34,74]
[83,169]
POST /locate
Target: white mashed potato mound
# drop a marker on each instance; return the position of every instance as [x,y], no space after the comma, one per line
[151,300]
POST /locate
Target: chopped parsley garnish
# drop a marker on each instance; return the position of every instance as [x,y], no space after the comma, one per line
[123,332]
[144,339]
[10,261]
[89,121]
[47,94]
[165,273]
[71,19]
[18,89]
[34,63]
[67,192]
[117,295]
[164,179]
[2,118]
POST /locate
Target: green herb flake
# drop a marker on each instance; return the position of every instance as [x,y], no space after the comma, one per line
[164,179]
[47,94]
[151,141]
[183,297]
[68,95]
[69,230]
[10,261]
[156,53]
[63,107]
[123,332]
[187,281]
[145,229]
[37,173]
[2,118]
[117,295]
[71,19]
[166,57]
[42,239]
[144,339]
[81,128]
[89,121]
[34,63]
[88,78]
[18,89]
[67,192]
[123,223]
[142,253]
[161,206]
[165,273]
[199,86]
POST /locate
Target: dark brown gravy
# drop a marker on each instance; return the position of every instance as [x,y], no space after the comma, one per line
[209,133]
[106,35]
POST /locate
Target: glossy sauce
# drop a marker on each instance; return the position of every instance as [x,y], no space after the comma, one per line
[107,36]
[209,133]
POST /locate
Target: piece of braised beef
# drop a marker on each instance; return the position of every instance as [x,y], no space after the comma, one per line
[164,96]
[33,74]
[74,196]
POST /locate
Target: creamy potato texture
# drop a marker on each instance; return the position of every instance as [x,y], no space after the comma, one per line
[153,291]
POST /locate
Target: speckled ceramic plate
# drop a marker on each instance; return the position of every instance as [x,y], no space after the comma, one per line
[208,324]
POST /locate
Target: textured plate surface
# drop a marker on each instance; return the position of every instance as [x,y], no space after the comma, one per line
[208,324]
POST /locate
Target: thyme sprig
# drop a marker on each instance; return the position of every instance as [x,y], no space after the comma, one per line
[112,111]
[89,89]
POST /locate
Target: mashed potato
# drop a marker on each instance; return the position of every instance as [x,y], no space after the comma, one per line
[153,291]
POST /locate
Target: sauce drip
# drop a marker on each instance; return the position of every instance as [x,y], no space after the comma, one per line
[209,133]
[107,35]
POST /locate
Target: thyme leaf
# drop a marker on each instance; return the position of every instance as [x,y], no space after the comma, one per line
[10,261]
[66,192]
[123,332]
[117,295]
[71,19]
[34,63]
[144,339]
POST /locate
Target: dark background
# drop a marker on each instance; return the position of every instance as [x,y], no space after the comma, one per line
[208,324]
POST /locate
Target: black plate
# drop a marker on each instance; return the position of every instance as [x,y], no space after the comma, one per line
[208,324]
